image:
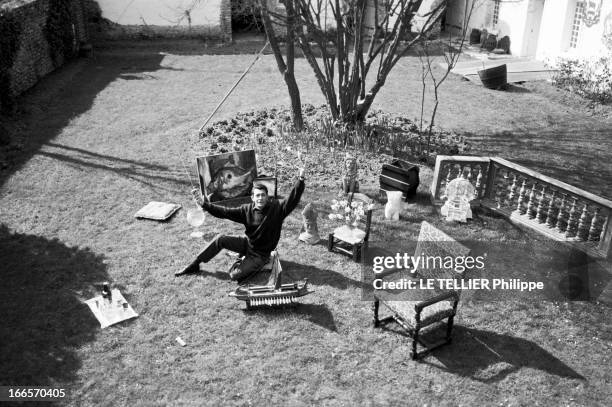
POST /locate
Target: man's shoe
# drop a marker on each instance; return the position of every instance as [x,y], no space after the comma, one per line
[190,269]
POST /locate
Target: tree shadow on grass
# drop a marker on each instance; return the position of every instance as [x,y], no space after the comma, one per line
[490,357]
[137,77]
[45,110]
[43,319]
[151,175]
[214,47]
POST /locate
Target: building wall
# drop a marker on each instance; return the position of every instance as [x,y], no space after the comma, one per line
[417,21]
[420,19]
[541,28]
[225,16]
[592,40]
[481,17]
[37,37]
[209,18]
[554,32]
[513,18]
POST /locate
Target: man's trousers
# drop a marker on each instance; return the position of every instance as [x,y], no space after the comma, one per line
[249,265]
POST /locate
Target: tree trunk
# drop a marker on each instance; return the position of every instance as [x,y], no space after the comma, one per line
[296,105]
[289,76]
[286,69]
[326,86]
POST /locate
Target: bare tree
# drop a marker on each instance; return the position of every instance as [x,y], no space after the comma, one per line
[342,50]
[451,51]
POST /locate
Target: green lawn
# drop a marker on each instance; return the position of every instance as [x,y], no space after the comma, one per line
[104,136]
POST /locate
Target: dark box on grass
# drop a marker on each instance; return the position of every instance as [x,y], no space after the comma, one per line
[400,176]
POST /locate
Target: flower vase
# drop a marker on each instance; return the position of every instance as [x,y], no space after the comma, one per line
[393,205]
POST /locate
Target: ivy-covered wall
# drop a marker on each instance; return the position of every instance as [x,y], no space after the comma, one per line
[36,37]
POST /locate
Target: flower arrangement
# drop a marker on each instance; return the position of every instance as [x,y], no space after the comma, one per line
[347,211]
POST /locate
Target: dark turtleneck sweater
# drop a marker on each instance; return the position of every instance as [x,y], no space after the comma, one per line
[262,227]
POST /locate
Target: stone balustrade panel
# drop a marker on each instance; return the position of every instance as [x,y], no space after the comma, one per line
[556,209]
[474,169]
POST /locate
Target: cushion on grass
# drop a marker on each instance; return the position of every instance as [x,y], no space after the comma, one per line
[157,210]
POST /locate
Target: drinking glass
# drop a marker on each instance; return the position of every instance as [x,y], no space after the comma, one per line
[195,218]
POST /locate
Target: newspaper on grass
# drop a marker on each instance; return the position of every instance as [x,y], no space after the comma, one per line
[111,312]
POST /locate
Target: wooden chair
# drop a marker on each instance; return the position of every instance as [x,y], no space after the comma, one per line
[352,241]
[432,307]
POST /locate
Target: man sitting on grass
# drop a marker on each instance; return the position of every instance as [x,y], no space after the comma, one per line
[262,219]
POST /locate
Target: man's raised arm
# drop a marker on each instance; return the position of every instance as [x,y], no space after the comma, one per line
[218,211]
[293,199]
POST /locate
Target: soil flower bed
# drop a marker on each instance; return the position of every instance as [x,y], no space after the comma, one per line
[323,144]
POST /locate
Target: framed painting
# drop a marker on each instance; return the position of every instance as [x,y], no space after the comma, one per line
[228,175]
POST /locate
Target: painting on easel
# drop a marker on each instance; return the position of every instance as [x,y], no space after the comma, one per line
[227,176]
